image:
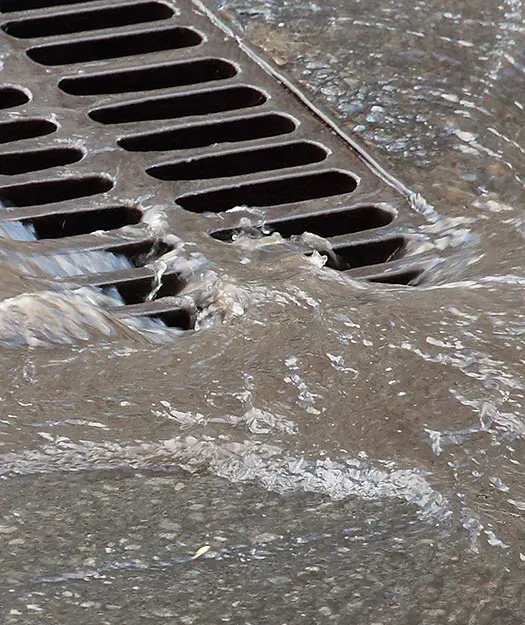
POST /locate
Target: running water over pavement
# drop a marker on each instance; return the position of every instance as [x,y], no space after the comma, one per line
[320,449]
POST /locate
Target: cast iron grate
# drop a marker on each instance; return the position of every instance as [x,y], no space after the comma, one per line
[141,103]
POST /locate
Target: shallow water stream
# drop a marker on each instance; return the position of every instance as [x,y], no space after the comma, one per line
[320,450]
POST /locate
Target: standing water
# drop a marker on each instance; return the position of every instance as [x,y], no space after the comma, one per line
[320,450]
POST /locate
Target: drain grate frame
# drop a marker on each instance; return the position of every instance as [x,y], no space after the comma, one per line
[197,123]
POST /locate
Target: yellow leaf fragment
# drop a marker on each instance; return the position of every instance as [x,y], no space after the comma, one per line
[200,552]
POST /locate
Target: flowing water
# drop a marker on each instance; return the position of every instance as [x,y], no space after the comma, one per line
[320,450]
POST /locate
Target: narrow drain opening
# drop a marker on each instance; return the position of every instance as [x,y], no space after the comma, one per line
[60,225]
[241,163]
[245,129]
[177,318]
[138,252]
[407,278]
[8,6]
[134,291]
[23,162]
[365,254]
[49,191]
[137,290]
[142,252]
[329,224]
[149,78]
[272,192]
[115,47]
[171,284]
[174,107]
[11,97]
[25,129]
[95,19]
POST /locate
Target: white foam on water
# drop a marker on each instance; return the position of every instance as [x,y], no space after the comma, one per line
[248,461]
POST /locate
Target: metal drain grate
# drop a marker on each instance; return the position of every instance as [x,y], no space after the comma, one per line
[113,106]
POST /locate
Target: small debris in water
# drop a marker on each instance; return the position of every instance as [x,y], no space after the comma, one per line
[200,552]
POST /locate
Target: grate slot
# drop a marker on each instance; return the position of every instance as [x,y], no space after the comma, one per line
[115,46]
[137,252]
[60,225]
[23,162]
[174,107]
[329,224]
[11,97]
[164,76]
[365,254]
[49,191]
[241,163]
[272,192]
[171,311]
[245,129]
[9,6]
[407,278]
[141,253]
[136,291]
[176,318]
[26,129]
[95,19]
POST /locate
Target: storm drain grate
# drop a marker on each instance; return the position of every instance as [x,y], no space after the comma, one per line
[111,107]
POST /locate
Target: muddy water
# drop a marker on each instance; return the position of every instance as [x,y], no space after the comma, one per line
[320,450]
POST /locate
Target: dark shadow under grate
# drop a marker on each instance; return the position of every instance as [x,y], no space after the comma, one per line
[241,163]
[163,76]
[331,224]
[182,319]
[272,192]
[9,6]
[137,290]
[23,162]
[116,46]
[177,106]
[409,277]
[59,224]
[365,254]
[197,136]
[51,191]
[12,96]
[25,129]
[94,19]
